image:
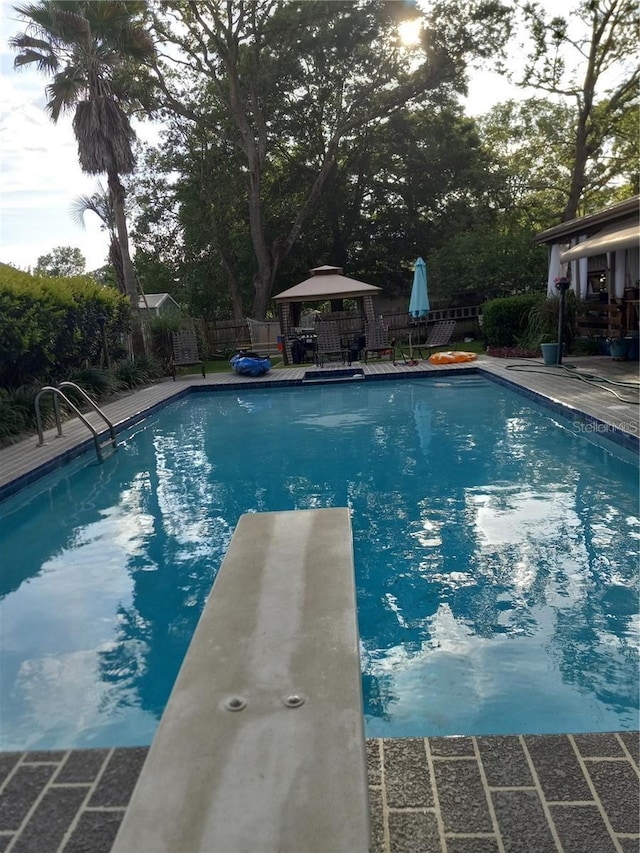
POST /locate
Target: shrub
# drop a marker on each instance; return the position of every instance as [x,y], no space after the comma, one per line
[150,365]
[160,330]
[96,381]
[542,326]
[585,346]
[18,414]
[49,326]
[137,371]
[13,420]
[17,405]
[505,320]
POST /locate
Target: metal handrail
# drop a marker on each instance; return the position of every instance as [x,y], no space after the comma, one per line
[58,394]
[94,406]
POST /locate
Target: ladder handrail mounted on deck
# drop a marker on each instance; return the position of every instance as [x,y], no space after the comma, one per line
[59,394]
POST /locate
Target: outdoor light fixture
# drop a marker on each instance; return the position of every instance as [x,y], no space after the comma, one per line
[562,284]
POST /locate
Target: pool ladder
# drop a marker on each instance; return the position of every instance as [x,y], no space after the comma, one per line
[58,395]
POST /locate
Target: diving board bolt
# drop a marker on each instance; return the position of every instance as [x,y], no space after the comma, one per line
[294,701]
[235,703]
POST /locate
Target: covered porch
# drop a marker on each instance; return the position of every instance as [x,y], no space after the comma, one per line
[599,254]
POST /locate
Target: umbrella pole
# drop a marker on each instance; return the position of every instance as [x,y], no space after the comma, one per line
[410,348]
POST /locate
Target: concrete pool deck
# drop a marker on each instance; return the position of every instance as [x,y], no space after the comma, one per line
[573,793]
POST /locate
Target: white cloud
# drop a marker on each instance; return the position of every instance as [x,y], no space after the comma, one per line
[39,177]
[39,172]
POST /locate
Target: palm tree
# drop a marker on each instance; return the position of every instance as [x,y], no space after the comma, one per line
[83,46]
[101,204]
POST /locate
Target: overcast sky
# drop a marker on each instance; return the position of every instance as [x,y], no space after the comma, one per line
[39,172]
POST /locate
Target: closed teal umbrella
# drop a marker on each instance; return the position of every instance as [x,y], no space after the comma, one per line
[419,302]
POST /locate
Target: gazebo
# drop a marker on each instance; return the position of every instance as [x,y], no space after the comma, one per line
[326,282]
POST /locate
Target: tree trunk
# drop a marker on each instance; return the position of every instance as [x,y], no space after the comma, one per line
[129,274]
[581,150]
[269,258]
[580,157]
[263,285]
[265,274]
[234,288]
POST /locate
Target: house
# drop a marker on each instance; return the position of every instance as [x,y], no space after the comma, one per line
[599,252]
[154,305]
[600,255]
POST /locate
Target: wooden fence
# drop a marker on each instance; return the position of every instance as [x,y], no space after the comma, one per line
[227,336]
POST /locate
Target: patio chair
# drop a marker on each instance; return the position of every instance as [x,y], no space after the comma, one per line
[438,335]
[328,343]
[377,341]
[185,351]
[264,336]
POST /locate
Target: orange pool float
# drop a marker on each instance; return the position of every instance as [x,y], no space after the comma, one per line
[451,357]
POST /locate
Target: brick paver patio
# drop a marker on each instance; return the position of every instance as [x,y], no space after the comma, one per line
[533,794]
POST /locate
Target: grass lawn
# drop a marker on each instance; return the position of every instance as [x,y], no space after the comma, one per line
[220,365]
[476,346]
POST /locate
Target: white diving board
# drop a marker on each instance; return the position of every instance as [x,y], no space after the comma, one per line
[278,640]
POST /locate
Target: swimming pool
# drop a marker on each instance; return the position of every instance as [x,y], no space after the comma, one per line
[496,560]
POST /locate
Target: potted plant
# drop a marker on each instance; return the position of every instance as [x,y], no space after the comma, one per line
[549,352]
[618,346]
[542,327]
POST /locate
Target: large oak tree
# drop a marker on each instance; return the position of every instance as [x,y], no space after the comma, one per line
[587,59]
[294,82]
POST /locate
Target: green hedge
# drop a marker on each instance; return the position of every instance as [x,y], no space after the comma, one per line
[49,326]
[505,320]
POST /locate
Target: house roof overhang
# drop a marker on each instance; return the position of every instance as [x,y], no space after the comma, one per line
[622,235]
[590,225]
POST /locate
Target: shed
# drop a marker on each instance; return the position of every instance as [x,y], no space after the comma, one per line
[154,305]
[326,283]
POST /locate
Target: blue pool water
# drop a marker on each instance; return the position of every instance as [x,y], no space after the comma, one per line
[496,560]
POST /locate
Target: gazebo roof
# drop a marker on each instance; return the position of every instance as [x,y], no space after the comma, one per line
[326,282]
